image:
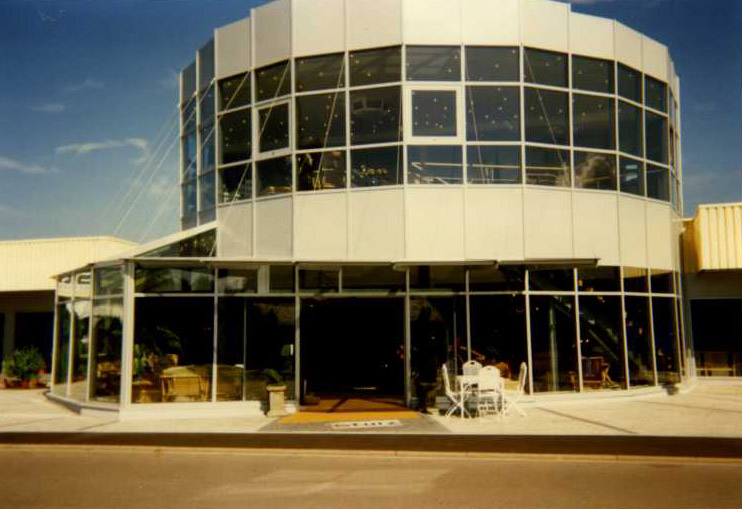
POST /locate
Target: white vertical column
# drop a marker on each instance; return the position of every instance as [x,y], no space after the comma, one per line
[127,337]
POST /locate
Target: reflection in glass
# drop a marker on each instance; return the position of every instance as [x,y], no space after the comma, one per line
[661,281]
[547,167]
[547,116]
[438,277]
[545,67]
[236,183]
[594,122]
[201,245]
[498,334]
[105,351]
[595,170]
[236,138]
[189,155]
[632,176]
[206,216]
[208,191]
[376,167]
[173,350]
[433,63]
[434,164]
[206,64]
[188,221]
[492,64]
[560,280]
[635,280]
[234,92]
[189,80]
[173,280]
[490,279]
[639,341]
[274,127]
[188,116]
[318,73]
[375,116]
[375,66]
[320,120]
[629,83]
[281,278]
[488,164]
[207,106]
[492,113]
[109,281]
[658,182]
[655,94]
[665,340]
[592,74]
[230,349]
[208,149]
[373,278]
[189,198]
[320,170]
[601,343]
[553,343]
[325,280]
[630,135]
[273,176]
[599,279]
[273,81]
[62,354]
[433,113]
[656,137]
[237,281]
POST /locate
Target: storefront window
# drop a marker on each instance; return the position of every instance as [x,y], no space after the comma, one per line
[601,343]
[174,280]
[373,278]
[639,341]
[109,281]
[635,280]
[553,343]
[560,280]
[502,279]
[105,351]
[64,317]
[80,349]
[599,279]
[665,340]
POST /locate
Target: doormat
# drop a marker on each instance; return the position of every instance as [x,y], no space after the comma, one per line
[351,425]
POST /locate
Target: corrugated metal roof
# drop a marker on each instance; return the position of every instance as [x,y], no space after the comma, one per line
[714,238]
[29,264]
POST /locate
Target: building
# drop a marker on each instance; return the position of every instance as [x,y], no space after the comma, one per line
[27,285]
[372,188]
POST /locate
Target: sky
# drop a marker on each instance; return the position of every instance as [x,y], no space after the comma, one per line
[88,94]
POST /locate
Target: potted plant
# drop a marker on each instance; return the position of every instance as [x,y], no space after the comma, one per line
[25,365]
[276,389]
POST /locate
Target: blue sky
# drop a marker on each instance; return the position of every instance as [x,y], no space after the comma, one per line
[87,86]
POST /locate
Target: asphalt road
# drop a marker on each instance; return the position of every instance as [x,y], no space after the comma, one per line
[148,477]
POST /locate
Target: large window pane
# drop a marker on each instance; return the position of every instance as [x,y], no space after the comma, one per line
[490,279]
[639,341]
[281,278]
[206,64]
[189,80]
[273,176]
[373,278]
[105,351]
[375,66]
[635,280]
[717,327]
[207,103]
[630,133]
[492,113]
[201,245]
[592,74]
[237,281]
[190,200]
[434,164]
[189,146]
[629,83]
[658,182]
[236,136]
[498,334]
[433,113]
[322,72]
[595,170]
[173,280]
[665,340]
[553,343]
[320,170]
[656,137]
[236,183]
[376,167]
[492,64]
[438,277]
[548,167]
[599,279]
[434,63]
[545,67]
[188,116]
[61,363]
[173,350]
[319,280]
[234,92]
[601,343]
[208,191]
[375,116]
[551,280]
[273,81]
[109,281]
[487,164]
[662,281]
[274,127]
[208,149]
[594,122]
[230,353]
[655,94]
[632,176]
[320,120]
[547,116]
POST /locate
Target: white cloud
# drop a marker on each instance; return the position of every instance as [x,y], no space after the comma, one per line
[96,146]
[9,164]
[51,108]
[88,84]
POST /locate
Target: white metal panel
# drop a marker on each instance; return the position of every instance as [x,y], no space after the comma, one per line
[374,23]
[494,223]
[272,25]
[719,230]
[435,223]
[545,24]
[321,226]
[232,48]
[548,223]
[490,22]
[431,21]
[632,225]
[628,46]
[596,226]
[273,227]
[659,235]
[654,58]
[319,27]
[591,36]
[376,224]
[234,232]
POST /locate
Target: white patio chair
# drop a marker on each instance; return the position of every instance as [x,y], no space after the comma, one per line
[489,390]
[456,397]
[511,398]
[471,368]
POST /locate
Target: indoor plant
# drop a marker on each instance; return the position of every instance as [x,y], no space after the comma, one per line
[25,364]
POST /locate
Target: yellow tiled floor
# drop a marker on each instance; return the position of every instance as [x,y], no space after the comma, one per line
[351,409]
